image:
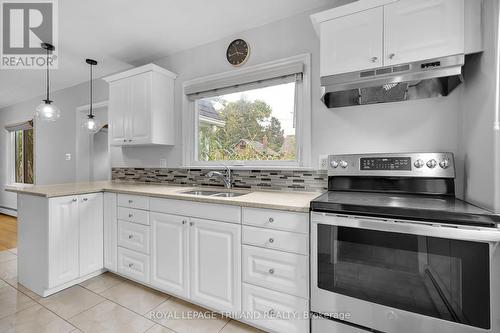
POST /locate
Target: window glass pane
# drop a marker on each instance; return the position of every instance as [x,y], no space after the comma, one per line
[18,135]
[28,156]
[251,125]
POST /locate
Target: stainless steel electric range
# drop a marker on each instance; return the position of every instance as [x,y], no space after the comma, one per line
[393,250]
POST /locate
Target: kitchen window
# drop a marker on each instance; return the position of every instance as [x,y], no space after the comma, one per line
[259,116]
[22,168]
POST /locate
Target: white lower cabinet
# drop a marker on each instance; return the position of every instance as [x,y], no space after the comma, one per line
[110,232]
[169,253]
[274,311]
[63,240]
[197,259]
[215,250]
[281,271]
[133,236]
[91,233]
[133,264]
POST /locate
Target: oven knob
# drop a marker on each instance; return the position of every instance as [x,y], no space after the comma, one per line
[334,164]
[343,164]
[418,164]
[444,164]
[431,164]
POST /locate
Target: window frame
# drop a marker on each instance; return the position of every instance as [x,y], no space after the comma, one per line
[302,120]
[11,153]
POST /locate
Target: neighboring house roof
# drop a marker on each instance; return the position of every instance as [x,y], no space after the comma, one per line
[255,145]
[208,114]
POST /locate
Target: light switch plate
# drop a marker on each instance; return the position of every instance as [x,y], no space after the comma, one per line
[163,163]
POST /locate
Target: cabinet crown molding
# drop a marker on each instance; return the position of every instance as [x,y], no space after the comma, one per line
[140,70]
[348,9]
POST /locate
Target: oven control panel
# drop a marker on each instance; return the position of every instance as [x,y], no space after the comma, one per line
[440,165]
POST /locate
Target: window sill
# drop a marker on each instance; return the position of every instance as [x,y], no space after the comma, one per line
[248,167]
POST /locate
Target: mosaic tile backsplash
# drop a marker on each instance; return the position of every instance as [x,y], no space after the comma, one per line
[282,180]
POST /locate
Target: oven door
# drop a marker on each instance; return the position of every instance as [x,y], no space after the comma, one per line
[405,276]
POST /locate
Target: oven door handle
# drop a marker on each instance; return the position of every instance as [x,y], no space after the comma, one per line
[450,231]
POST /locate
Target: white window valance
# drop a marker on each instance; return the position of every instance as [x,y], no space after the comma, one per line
[25,125]
[246,80]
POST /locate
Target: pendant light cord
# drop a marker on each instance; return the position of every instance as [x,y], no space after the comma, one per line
[48,80]
[91,92]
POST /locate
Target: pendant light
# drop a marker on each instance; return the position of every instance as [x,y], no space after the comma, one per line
[47,111]
[90,124]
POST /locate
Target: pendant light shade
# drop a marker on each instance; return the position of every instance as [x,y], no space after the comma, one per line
[47,111]
[91,124]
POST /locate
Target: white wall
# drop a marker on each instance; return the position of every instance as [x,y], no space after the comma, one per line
[52,140]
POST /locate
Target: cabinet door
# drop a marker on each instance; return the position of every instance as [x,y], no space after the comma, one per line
[352,43]
[119,111]
[91,233]
[424,29]
[215,260]
[140,108]
[169,259]
[110,232]
[63,240]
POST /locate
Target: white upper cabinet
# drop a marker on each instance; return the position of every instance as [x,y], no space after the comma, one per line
[369,34]
[141,107]
[352,43]
[424,29]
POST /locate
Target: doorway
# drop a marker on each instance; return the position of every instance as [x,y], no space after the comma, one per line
[93,160]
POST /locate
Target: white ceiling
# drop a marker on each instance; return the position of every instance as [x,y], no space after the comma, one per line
[124,33]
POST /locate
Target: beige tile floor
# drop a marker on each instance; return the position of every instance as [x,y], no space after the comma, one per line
[106,303]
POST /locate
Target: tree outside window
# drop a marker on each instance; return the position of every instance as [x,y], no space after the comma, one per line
[253,125]
[24,161]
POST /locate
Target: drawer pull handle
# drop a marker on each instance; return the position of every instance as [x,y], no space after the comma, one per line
[131,201]
[130,236]
[271,271]
[184,221]
[271,220]
[130,215]
[191,223]
[271,240]
[130,265]
[74,200]
[85,199]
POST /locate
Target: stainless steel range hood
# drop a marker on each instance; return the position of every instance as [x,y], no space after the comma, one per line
[420,79]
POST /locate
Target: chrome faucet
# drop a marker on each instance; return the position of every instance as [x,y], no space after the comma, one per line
[226,177]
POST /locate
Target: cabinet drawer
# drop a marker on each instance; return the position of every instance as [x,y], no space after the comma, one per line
[266,302]
[133,215]
[133,264]
[133,236]
[133,201]
[276,219]
[324,325]
[280,271]
[277,240]
[209,211]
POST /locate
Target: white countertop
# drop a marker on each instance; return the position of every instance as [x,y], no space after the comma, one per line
[282,200]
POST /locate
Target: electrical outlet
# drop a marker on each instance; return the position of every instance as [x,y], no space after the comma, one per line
[67,157]
[163,162]
[323,162]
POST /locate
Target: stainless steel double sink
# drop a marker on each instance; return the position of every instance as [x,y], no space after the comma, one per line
[212,193]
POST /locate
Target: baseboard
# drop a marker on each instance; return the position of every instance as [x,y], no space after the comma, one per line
[8,211]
